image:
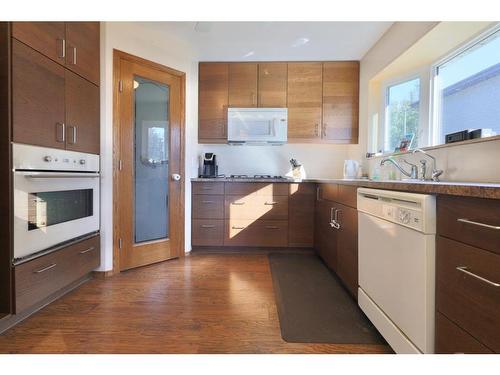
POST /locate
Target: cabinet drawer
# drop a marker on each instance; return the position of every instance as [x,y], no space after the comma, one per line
[39,278]
[452,211]
[208,207]
[328,192]
[207,232]
[472,303]
[256,207]
[452,339]
[271,233]
[208,188]
[259,188]
[347,195]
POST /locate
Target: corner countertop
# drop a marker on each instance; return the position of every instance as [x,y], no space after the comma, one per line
[465,189]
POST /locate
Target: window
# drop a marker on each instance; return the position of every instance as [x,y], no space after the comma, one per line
[402,117]
[467,89]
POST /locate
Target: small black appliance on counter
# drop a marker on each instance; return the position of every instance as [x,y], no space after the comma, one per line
[209,168]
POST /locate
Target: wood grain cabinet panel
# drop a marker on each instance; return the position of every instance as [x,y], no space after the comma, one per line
[471,302]
[208,207]
[451,211]
[301,215]
[82,114]
[208,188]
[259,188]
[44,37]
[325,237]
[243,85]
[82,49]
[272,233]
[272,90]
[451,339]
[347,247]
[304,100]
[38,107]
[213,101]
[207,232]
[340,101]
[256,207]
[37,279]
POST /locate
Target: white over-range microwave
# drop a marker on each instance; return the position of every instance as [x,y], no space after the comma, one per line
[257,125]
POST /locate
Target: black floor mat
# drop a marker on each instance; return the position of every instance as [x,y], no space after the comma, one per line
[313,306]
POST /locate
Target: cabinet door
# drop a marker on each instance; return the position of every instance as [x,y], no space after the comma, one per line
[301,215]
[45,37]
[213,101]
[82,114]
[82,49]
[37,98]
[304,98]
[347,247]
[340,101]
[242,85]
[325,236]
[272,85]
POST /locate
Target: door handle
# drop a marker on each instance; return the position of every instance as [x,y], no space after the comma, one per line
[238,203]
[73,135]
[467,221]
[176,177]
[233,227]
[270,203]
[208,226]
[467,272]
[62,126]
[62,54]
[45,268]
[88,250]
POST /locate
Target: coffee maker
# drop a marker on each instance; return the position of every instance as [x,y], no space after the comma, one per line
[209,166]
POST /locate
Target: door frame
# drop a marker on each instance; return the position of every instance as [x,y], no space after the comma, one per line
[117,57]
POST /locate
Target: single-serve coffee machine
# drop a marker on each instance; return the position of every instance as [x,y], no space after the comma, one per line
[209,168]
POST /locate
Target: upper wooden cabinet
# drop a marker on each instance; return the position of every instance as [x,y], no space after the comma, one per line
[47,38]
[213,101]
[272,85]
[82,49]
[72,44]
[340,101]
[243,85]
[82,114]
[37,98]
[304,100]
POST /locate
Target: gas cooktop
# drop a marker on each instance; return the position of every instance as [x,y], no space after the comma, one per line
[257,177]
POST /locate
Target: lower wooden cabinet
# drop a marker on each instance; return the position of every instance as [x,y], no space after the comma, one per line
[325,236]
[258,233]
[39,278]
[301,215]
[347,247]
[207,232]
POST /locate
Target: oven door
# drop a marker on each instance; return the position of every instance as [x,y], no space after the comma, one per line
[53,207]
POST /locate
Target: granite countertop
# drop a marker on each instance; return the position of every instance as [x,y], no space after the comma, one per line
[466,189]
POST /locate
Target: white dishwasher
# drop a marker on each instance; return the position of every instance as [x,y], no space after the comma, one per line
[396,236]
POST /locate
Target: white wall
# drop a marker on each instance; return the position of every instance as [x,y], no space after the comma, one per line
[140,39]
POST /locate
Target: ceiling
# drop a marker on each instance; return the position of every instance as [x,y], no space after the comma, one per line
[289,41]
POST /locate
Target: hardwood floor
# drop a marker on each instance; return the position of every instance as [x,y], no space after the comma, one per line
[203,303]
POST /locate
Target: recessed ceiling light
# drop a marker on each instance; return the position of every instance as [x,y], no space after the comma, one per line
[300,42]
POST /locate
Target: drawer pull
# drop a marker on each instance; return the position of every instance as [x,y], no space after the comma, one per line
[464,270]
[466,221]
[88,250]
[207,202]
[270,203]
[272,227]
[238,203]
[233,227]
[45,268]
[206,188]
[208,226]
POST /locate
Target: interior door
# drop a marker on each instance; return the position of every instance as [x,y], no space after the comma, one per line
[151,215]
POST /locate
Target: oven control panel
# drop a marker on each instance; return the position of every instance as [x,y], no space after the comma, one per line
[27,157]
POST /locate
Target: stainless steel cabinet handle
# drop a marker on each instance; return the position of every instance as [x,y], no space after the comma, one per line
[233,227]
[238,203]
[207,202]
[73,133]
[489,282]
[316,130]
[207,226]
[74,55]
[206,188]
[88,250]
[270,203]
[45,268]
[467,221]
[317,193]
[62,54]
[272,227]
[62,126]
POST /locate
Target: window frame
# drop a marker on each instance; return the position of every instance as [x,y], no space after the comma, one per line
[435,125]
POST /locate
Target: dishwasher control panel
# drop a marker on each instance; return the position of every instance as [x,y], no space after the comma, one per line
[402,215]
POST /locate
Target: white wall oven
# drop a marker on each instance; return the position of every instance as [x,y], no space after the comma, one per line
[56,197]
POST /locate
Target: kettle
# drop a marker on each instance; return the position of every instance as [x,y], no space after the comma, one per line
[351,168]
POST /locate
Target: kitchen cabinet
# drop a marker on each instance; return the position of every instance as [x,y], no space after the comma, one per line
[467,275]
[340,101]
[48,38]
[38,103]
[213,91]
[336,232]
[304,100]
[272,85]
[301,215]
[243,84]
[82,114]
[82,49]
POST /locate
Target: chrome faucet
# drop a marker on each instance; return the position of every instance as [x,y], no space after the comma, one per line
[414,169]
[435,173]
